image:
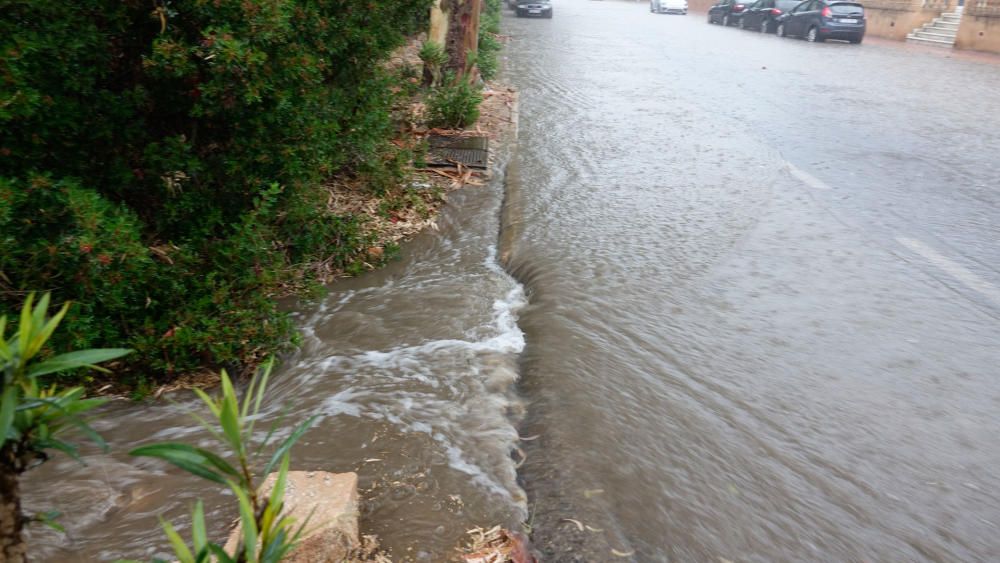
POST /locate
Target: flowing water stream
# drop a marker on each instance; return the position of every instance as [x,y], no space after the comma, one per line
[412,371]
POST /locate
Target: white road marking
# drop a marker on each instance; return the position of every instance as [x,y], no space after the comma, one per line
[952,268]
[807,178]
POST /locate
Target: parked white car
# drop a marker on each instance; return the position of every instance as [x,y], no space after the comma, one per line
[668,6]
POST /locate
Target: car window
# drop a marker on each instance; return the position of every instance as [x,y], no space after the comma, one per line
[847,9]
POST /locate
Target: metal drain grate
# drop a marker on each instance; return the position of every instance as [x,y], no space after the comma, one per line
[446,151]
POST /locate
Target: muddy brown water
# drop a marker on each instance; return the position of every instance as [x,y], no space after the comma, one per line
[751,314]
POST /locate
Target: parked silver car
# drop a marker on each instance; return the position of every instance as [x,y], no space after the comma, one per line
[668,6]
[534,8]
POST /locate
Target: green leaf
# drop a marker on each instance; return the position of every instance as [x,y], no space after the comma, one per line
[247,522]
[198,533]
[270,521]
[89,432]
[45,330]
[39,312]
[265,375]
[276,548]
[193,460]
[49,519]
[229,415]
[211,403]
[220,554]
[180,548]
[79,359]
[8,406]
[24,329]
[277,497]
[289,442]
[4,349]
[274,427]
[52,443]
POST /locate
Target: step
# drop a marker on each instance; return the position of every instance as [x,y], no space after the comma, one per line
[938,29]
[945,34]
[951,18]
[934,36]
[933,42]
[943,23]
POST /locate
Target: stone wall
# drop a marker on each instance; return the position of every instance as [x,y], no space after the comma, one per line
[700,5]
[894,19]
[980,29]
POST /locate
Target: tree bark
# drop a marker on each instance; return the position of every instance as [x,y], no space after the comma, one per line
[12,547]
[463,37]
[438,33]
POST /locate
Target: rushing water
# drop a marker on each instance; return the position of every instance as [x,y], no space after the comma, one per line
[411,370]
[736,349]
[758,320]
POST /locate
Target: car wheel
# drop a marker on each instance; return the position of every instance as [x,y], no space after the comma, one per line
[710,18]
[780,31]
[725,20]
[740,24]
[763,26]
[520,13]
[812,35]
[858,40]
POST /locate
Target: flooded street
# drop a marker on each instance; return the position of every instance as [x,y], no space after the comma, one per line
[763,292]
[744,305]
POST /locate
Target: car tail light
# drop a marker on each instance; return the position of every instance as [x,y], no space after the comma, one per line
[738,8]
[826,12]
[775,12]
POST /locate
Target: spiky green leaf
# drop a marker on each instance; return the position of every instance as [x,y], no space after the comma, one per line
[8,406]
[80,359]
[189,458]
[198,531]
[248,523]
[285,446]
[177,543]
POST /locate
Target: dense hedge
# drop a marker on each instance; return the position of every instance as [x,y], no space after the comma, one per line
[160,161]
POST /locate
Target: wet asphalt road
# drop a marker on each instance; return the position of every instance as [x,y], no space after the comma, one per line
[764,292]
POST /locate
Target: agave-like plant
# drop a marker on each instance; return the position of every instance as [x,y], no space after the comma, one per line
[33,416]
[266,535]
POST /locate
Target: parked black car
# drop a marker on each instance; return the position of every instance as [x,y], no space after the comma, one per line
[727,12]
[819,20]
[762,15]
[535,8]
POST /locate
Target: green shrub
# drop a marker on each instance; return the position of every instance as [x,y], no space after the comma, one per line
[454,105]
[163,170]
[434,57]
[489,45]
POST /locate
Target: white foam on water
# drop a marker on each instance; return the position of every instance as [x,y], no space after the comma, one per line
[457,391]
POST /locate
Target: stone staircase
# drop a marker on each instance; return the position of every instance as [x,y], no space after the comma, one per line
[941,32]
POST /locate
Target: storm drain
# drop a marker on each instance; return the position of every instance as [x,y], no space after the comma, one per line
[446,151]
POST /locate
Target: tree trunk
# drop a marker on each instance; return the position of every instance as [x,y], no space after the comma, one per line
[438,34]
[463,37]
[12,547]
